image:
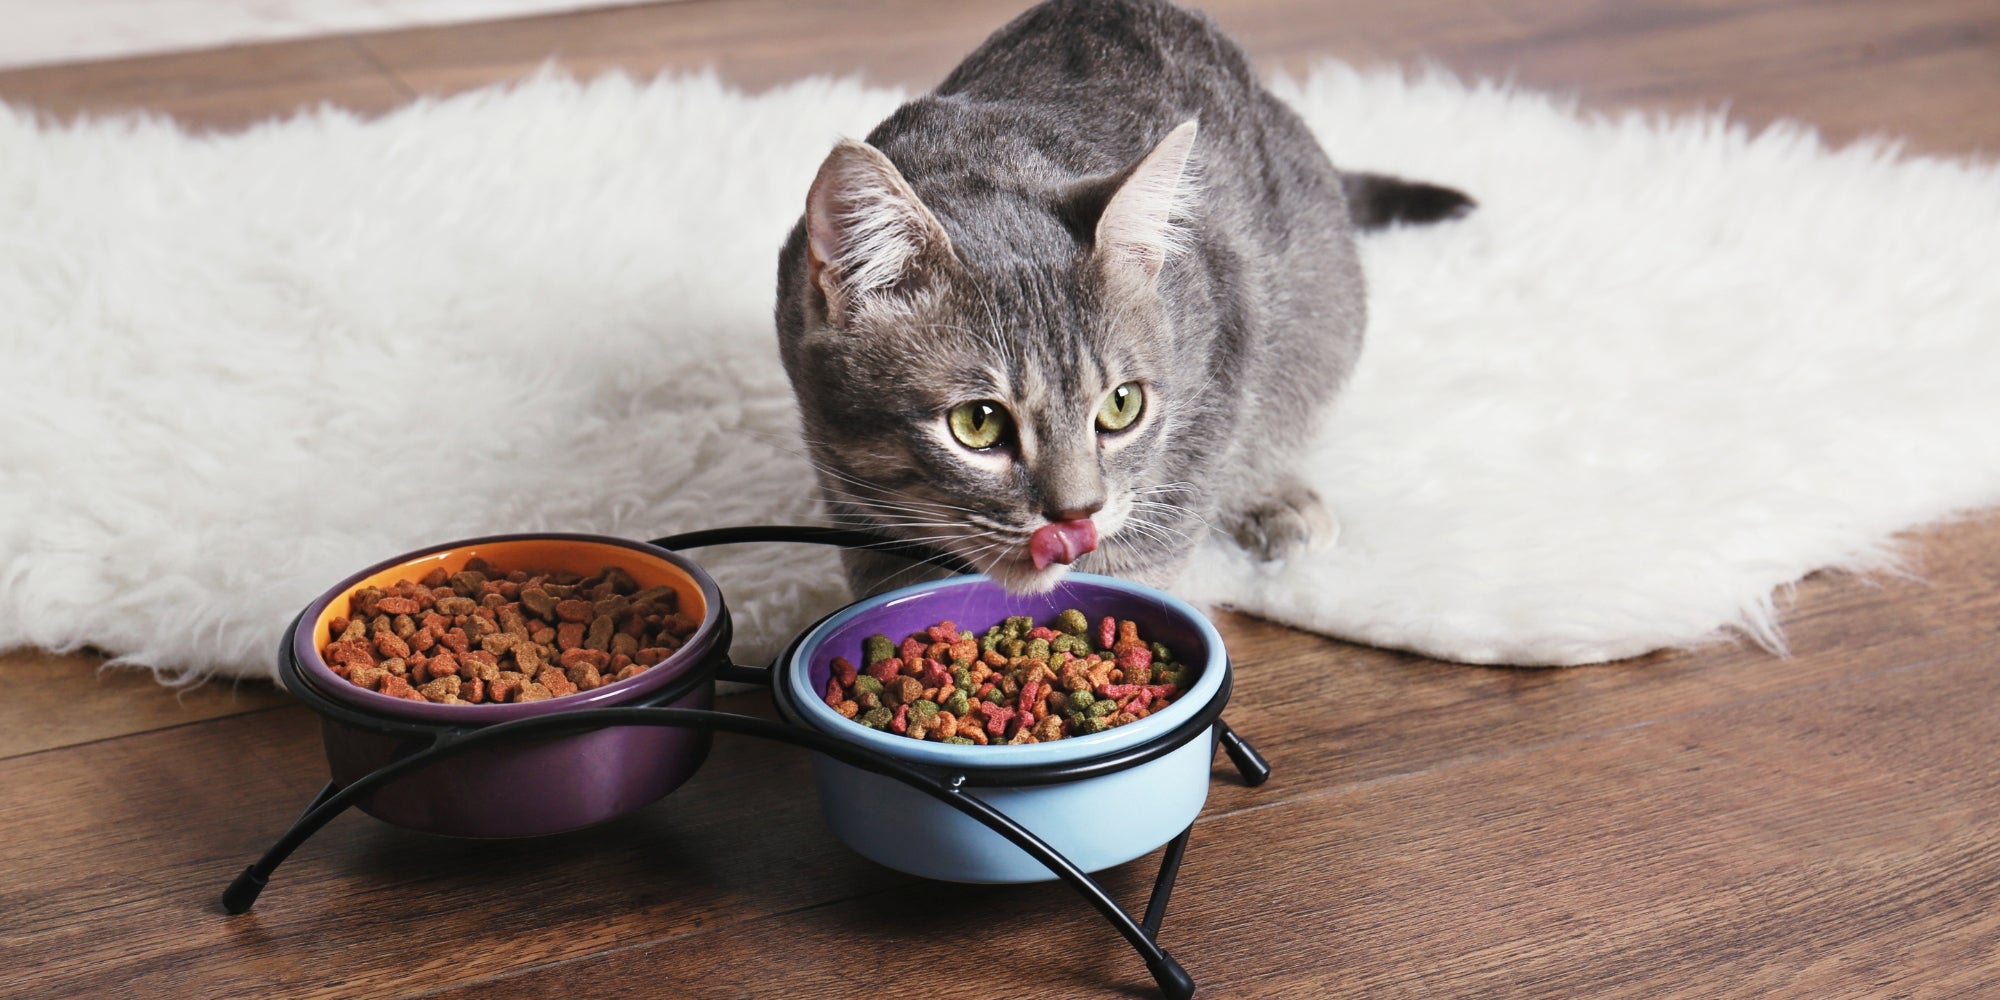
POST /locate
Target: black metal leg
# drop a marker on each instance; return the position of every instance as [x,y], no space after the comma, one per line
[1249,763]
[1163,883]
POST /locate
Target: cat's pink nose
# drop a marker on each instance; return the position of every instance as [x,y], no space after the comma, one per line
[1062,542]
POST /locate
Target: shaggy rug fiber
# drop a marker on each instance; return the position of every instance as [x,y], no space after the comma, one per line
[1667,368]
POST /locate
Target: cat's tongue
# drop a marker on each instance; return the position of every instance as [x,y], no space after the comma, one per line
[1061,542]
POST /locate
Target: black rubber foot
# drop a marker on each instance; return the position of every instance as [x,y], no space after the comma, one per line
[1249,763]
[242,893]
[1173,980]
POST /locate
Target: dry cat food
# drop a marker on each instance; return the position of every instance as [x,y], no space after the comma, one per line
[484,635]
[1018,683]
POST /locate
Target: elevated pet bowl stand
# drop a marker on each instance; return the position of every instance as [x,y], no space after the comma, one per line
[952,789]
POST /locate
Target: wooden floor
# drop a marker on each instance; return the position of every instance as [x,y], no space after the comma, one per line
[1714,823]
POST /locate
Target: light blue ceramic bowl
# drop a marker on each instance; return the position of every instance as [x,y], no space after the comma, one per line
[1097,821]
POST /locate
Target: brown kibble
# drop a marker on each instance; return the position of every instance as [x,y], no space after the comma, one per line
[443,690]
[397,687]
[585,677]
[611,607]
[455,640]
[423,640]
[396,665]
[599,636]
[443,665]
[456,606]
[624,645]
[397,606]
[569,635]
[504,685]
[435,578]
[537,600]
[532,691]
[557,682]
[848,709]
[630,671]
[511,620]
[473,690]
[529,657]
[368,677]
[543,636]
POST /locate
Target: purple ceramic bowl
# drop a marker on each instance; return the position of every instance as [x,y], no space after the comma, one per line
[532,787]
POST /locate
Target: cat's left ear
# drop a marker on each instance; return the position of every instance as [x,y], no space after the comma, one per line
[868,236]
[1139,229]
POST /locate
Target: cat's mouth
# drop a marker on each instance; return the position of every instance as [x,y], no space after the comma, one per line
[1036,566]
[1061,542]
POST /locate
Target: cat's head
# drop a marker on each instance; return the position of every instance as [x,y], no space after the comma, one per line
[996,377]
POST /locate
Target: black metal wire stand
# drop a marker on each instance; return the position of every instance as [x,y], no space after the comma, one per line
[950,788]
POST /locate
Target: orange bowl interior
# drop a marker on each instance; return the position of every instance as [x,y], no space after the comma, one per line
[555,554]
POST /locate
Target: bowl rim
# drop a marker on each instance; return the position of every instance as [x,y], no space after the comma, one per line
[812,710]
[313,671]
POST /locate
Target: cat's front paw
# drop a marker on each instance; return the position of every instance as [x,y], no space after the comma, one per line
[1292,521]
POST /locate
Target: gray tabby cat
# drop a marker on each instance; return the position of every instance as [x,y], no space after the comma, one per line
[1081,303]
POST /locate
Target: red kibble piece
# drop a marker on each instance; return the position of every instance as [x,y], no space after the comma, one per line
[844,672]
[1107,632]
[887,670]
[934,675]
[997,717]
[397,606]
[574,610]
[835,694]
[1135,656]
[901,723]
[944,631]
[1044,633]
[1116,690]
[913,650]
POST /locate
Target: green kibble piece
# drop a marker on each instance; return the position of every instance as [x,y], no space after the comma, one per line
[967,636]
[923,708]
[961,679]
[965,740]
[877,648]
[1074,645]
[1100,709]
[876,718]
[1072,622]
[868,699]
[996,696]
[1013,648]
[959,703]
[1038,649]
[1080,700]
[1017,626]
[1161,653]
[1093,724]
[991,640]
[865,684]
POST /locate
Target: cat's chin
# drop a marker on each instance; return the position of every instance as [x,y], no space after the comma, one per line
[1021,576]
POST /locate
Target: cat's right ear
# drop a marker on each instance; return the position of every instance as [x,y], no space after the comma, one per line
[869,239]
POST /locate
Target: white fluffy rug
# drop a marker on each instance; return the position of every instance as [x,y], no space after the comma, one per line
[1668,367]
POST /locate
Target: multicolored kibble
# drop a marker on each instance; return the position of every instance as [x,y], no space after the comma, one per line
[1018,683]
[484,635]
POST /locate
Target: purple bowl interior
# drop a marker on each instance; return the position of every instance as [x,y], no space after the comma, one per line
[978,606]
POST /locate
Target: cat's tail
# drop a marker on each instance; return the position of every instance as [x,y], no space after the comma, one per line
[1377,201]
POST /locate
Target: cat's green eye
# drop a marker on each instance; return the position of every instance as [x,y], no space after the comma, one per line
[1121,407]
[979,425]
